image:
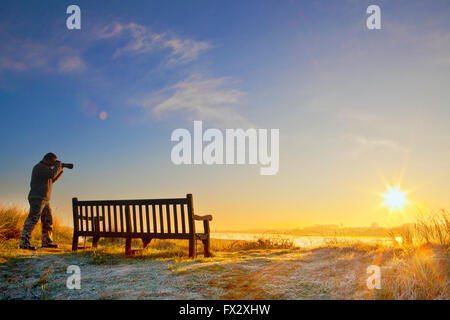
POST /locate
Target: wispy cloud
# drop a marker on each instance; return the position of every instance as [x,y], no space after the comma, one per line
[71,64]
[365,144]
[130,39]
[19,55]
[185,50]
[211,99]
[140,39]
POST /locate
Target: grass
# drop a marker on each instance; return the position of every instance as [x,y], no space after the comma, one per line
[420,270]
[414,266]
[12,219]
[11,222]
[419,263]
[433,227]
[417,274]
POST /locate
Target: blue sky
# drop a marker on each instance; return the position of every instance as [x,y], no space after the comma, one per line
[352,105]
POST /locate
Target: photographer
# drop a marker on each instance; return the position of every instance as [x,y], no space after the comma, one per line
[44,174]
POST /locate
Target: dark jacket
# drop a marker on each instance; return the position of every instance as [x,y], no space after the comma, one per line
[42,179]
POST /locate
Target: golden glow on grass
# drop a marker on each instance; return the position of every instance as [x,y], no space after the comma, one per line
[395,198]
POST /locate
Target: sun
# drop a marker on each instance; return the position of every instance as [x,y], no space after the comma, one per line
[395,198]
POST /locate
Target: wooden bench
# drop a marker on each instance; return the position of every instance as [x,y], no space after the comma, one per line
[144,219]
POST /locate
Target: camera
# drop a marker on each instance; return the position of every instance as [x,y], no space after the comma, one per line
[67,165]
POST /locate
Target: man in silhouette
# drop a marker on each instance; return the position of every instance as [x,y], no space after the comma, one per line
[44,174]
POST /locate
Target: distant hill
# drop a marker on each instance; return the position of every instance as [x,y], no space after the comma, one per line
[332,230]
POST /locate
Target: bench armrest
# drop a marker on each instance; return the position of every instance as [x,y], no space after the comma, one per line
[204,218]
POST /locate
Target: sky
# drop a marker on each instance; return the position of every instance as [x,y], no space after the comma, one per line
[357,110]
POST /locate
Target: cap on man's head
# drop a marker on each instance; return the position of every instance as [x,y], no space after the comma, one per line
[50,156]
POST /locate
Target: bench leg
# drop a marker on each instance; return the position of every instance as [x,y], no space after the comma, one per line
[206,242]
[192,248]
[128,246]
[75,243]
[146,241]
[95,242]
[206,247]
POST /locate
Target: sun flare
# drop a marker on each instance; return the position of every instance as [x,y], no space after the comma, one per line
[395,198]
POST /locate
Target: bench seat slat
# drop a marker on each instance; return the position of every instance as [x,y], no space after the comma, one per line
[122,227]
[115,218]
[201,236]
[147,218]
[161,219]
[141,221]
[175,218]
[135,235]
[89,219]
[183,223]
[168,219]
[135,229]
[97,218]
[155,225]
[104,218]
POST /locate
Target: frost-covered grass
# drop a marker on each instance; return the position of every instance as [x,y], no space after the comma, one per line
[327,272]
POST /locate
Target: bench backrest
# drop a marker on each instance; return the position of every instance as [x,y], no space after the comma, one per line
[121,217]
